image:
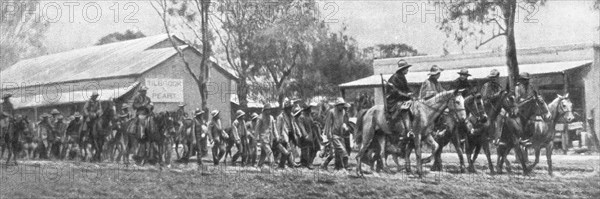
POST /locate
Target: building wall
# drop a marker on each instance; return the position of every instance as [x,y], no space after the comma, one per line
[592,88]
[217,88]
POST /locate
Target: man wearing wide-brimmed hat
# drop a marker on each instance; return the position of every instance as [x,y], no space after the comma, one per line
[141,106]
[462,82]
[287,137]
[199,130]
[266,130]
[397,91]
[71,138]
[431,86]
[524,89]
[6,113]
[309,142]
[181,112]
[334,130]
[91,111]
[252,139]
[217,135]
[492,86]
[240,134]
[44,130]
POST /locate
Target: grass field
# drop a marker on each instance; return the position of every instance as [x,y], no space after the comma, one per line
[575,177]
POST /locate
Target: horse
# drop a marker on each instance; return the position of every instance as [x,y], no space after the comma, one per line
[102,127]
[154,142]
[512,131]
[559,110]
[457,131]
[484,131]
[424,111]
[16,127]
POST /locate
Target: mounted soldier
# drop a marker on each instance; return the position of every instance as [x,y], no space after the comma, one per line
[462,82]
[181,114]
[431,86]
[524,89]
[6,114]
[91,111]
[141,105]
[398,97]
[492,86]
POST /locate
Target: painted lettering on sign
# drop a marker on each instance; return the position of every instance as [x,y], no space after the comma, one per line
[165,90]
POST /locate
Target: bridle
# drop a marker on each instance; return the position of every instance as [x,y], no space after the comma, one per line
[560,112]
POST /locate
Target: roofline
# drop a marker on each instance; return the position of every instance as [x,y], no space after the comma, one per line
[218,67]
[73,81]
[472,55]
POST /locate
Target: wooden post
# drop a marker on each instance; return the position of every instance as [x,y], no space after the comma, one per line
[565,133]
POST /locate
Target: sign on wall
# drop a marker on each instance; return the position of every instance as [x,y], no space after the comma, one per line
[165,90]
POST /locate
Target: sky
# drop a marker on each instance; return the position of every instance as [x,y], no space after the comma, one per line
[77,24]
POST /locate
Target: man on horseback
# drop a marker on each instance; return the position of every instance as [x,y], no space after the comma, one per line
[525,91]
[491,87]
[462,82]
[6,114]
[430,88]
[91,111]
[398,97]
[335,125]
[141,105]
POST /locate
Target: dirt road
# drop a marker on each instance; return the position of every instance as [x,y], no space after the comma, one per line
[575,177]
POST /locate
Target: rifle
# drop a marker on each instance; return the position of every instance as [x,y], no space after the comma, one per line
[383,92]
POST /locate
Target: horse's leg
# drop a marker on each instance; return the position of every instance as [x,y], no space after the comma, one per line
[522,157]
[368,132]
[382,157]
[549,148]
[418,154]
[486,150]
[536,161]
[471,151]
[434,147]
[500,158]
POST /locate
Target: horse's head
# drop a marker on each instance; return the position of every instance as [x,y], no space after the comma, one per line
[508,101]
[564,109]
[474,104]
[456,104]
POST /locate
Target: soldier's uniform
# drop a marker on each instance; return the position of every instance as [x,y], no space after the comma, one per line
[265,130]
[200,134]
[307,142]
[71,138]
[252,139]
[491,87]
[285,139]
[334,130]
[461,83]
[215,130]
[431,86]
[524,89]
[6,114]
[398,98]
[240,134]
[141,105]
[91,111]
[44,130]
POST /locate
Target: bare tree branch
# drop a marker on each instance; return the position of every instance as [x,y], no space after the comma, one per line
[490,39]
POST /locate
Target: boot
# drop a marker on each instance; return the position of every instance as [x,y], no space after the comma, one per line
[345,163]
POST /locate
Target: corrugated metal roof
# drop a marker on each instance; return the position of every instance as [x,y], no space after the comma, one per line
[70,97]
[477,73]
[132,57]
[110,60]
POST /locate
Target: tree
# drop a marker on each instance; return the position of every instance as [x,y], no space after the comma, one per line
[189,10]
[475,19]
[288,43]
[240,23]
[21,33]
[117,36]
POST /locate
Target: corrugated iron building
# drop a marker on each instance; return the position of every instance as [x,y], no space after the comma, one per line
[66,80]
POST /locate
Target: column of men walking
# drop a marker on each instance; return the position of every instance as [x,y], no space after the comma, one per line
[278,136]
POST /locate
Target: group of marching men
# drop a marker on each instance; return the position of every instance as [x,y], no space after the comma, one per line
[281,133]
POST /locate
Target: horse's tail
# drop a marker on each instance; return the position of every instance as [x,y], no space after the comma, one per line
[359,127]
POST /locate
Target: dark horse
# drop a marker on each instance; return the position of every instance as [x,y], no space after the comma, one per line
[101,128]
[16,127]
[457,131]
[156,139]
[512,129]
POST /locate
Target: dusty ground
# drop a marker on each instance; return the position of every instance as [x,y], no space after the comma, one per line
[576,176]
